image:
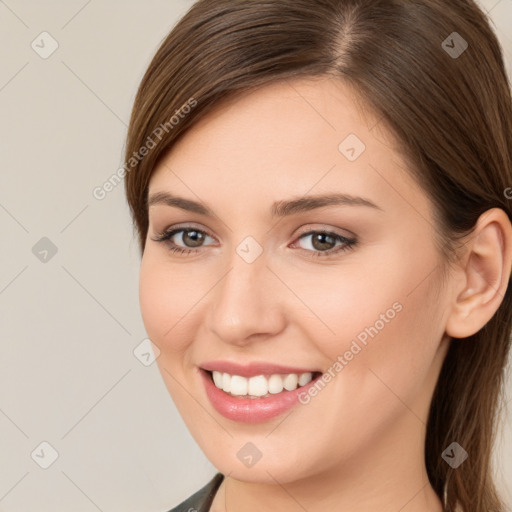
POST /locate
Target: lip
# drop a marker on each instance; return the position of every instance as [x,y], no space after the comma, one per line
[252,410]
[252,369]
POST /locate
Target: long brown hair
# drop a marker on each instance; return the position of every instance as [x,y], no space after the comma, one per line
[433,72]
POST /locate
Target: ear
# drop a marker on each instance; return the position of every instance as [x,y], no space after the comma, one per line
[483,276]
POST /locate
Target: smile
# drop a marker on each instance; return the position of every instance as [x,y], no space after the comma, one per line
[265,392]
[260,386]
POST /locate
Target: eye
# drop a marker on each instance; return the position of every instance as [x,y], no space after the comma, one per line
[192,238]
[321,243]
[324,243]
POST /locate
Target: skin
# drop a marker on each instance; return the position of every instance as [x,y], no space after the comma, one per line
[359,444]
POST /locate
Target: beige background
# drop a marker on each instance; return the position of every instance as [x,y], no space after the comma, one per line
[70,325]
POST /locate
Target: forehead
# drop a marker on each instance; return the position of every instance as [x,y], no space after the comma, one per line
[283,139]
[282,117]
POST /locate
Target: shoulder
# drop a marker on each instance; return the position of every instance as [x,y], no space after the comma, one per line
[201,500]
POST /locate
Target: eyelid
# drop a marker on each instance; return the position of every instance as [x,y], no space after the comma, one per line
[302,231]
[185,226]
[327,229]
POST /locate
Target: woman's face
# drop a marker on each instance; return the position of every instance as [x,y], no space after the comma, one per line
[351,289]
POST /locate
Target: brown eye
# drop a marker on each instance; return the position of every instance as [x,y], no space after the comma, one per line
[325,243]
[191,239]
[322,243]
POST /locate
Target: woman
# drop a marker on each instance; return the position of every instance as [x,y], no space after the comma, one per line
[321,192]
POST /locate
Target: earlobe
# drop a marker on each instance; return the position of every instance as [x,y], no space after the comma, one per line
[485,274]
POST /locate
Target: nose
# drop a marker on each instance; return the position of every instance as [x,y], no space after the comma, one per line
[247,304]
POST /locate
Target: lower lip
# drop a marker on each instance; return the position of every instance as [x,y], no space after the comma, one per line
[251,410]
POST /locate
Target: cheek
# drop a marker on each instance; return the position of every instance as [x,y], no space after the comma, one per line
[385,313]
[166,295]
[164,299]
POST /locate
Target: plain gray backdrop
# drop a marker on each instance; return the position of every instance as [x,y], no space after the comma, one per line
[86,424]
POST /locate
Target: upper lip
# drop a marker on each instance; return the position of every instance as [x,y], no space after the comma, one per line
[252,369]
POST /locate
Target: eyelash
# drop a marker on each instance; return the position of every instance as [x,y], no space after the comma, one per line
[348,243]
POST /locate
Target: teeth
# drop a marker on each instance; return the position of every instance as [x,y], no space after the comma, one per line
[257,386]
[275,384]
[226,382]
[290,382]
[260,385]
[217,379]
[238,385]
[305,378]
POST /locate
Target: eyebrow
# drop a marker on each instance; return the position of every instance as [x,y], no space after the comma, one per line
[279,208]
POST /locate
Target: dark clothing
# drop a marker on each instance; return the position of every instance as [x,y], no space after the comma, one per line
[201,501]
